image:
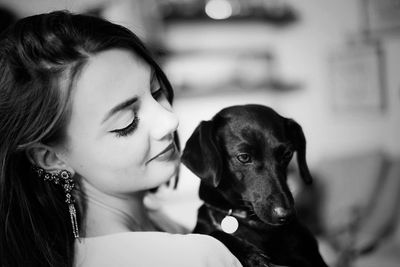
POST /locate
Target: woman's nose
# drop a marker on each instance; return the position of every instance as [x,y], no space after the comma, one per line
[165,122]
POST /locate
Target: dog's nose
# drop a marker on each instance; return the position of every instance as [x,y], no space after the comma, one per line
[282,215]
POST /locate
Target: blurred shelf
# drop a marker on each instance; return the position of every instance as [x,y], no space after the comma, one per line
[273,12]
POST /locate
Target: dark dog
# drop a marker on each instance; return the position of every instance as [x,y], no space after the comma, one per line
[242,155]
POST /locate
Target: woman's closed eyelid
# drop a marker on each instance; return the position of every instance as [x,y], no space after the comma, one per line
[159,93]
[128,129]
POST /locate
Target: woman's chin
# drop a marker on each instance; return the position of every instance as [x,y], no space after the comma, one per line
[165,173]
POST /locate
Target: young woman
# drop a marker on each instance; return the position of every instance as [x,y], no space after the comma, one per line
[86,130]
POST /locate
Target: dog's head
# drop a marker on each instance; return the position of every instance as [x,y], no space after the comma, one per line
[244,152]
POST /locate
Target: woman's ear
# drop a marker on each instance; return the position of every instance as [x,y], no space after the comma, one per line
[46,157]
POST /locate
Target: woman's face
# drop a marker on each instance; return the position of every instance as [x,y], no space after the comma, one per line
[120,135]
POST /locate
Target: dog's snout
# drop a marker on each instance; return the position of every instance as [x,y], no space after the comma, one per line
[282,215]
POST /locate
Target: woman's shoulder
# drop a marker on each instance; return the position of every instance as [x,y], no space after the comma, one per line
[144,249]
[121,249]
[166,224]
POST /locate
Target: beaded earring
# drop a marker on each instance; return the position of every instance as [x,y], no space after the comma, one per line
[64,179]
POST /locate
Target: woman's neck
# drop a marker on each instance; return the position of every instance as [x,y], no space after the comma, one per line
[108,214]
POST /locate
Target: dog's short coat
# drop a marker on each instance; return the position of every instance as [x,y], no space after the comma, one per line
[241,156]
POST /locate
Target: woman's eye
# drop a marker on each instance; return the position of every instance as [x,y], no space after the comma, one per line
[128,129]
[244,158]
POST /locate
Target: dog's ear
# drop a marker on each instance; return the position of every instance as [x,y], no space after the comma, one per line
[297,138]
[202,155]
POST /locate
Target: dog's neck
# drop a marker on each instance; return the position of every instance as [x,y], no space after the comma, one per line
[213,197]
[220,207]
[237,213]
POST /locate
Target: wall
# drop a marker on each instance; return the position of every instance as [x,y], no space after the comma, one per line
[303,50]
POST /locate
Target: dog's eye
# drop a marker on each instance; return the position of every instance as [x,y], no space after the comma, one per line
[287,155]
[244,158]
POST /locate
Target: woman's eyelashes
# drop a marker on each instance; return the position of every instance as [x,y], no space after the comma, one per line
[128,129]
[157,94]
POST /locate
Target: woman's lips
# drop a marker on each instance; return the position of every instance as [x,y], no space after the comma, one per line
[168,153]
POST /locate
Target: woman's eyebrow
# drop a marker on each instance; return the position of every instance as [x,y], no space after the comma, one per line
[119,107]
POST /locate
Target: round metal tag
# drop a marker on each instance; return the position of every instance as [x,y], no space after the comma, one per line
[229,224]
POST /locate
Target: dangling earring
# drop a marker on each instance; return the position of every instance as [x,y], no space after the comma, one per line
[64,179]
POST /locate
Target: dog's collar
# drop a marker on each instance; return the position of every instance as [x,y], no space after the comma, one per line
[241,217]
[234,224]
[239,214]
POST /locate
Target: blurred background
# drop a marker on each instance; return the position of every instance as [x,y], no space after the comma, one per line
[333,66]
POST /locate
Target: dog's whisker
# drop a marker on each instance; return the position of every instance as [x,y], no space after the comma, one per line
[246,203]
[254,216]
[245,206]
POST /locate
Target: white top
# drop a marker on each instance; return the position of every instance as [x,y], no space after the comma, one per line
[150,249]
[145,249]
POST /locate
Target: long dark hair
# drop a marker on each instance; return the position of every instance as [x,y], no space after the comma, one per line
[40,57]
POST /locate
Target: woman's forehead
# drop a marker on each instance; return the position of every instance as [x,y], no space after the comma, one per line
[112,65]
[108,79]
